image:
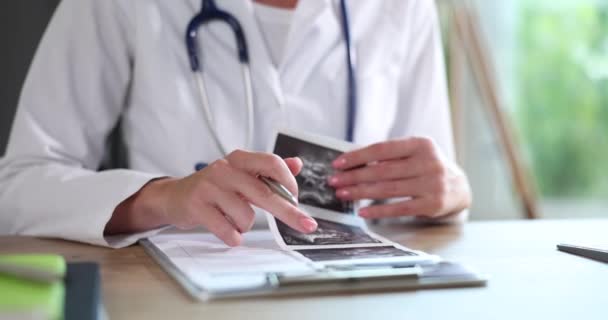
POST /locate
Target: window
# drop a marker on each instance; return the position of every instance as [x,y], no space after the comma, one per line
[551,62]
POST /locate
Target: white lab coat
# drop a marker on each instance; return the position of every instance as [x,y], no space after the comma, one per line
[99,60]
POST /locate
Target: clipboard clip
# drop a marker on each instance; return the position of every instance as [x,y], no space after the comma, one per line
[343,273]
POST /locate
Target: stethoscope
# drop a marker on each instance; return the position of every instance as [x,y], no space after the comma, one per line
[210,12]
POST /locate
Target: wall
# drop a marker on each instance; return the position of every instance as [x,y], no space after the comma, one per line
[22,23]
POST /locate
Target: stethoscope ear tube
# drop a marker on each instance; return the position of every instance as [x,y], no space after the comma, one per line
[247,84]
[204,97]
[202,90]
[352,80]
[208,13]
[191,45]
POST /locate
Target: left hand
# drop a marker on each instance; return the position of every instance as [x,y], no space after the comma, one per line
[410,167]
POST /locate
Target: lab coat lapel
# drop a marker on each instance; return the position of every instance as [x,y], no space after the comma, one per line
[259,57]
[313,20]
[310,16]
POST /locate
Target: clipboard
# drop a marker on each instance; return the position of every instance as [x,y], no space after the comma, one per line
[328,279]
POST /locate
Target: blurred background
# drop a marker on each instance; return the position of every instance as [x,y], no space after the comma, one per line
[529,90]
[528,83]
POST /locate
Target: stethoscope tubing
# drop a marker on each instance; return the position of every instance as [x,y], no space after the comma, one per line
[210,12]
[352,80]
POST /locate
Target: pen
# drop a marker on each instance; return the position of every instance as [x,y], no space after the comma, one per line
[279,189]
[590,253]
[276,187]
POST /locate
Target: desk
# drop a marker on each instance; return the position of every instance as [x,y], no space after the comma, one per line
[529,278]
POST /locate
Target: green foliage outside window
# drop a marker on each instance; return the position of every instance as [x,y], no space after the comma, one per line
[562,95]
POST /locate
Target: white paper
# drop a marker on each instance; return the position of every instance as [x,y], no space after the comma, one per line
[214,266]
[342,238]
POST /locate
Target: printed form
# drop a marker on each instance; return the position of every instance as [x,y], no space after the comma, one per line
[342,238]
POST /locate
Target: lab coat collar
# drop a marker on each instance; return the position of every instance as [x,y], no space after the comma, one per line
[305,18]
[308,16]
[313,19]
[259,56]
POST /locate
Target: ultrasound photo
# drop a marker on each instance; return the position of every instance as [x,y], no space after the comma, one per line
[328,233]
[354,253]
[312,180]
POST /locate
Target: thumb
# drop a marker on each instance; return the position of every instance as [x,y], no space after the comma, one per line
[294,165]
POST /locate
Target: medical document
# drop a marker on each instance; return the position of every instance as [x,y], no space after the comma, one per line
[342,239]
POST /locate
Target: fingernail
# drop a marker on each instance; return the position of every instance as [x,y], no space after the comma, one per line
[234,241]
[338,163]
[364,213]
[333,180]
[308,224]
[343,193]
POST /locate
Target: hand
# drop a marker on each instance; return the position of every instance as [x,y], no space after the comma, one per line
[412,168]
[219,197]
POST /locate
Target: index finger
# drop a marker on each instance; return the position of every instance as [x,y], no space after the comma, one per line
[265,164]
[381,151]
[260,195]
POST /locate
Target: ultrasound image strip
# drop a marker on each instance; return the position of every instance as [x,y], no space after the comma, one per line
[327,233]
[312,180]
[354,253]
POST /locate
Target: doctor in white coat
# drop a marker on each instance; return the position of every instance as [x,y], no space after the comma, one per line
[102,60]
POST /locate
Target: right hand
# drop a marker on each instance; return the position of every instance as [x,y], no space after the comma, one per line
[219,197]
